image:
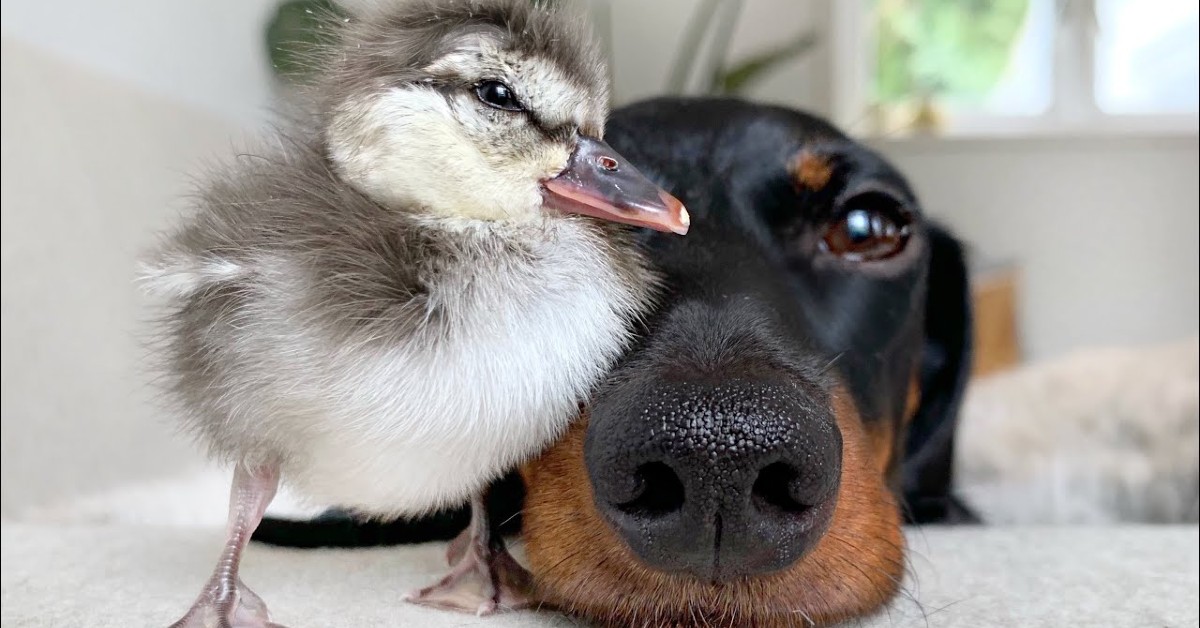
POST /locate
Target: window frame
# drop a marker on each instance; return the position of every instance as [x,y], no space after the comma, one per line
[1073,108]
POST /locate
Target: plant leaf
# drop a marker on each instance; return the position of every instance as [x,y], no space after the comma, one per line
[736,79]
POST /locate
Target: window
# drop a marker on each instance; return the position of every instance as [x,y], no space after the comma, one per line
[1016,66]
[1146,56]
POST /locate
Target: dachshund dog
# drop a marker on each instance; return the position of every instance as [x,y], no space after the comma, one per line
[791,401]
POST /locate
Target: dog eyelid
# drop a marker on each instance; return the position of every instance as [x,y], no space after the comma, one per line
[874,188]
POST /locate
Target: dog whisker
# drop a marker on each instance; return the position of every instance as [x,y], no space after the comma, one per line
[901,589]
[828,366]
[808,618]
[510,518]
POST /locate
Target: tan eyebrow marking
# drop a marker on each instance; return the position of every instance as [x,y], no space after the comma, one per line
[809,170]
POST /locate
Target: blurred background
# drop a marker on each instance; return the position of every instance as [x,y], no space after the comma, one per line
[1057,137]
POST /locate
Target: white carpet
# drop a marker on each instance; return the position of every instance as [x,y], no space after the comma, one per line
[127,575]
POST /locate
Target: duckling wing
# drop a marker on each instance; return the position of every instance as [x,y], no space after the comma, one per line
[285,210]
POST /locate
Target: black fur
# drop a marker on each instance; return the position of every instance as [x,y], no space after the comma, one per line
[338,528]
[928,468]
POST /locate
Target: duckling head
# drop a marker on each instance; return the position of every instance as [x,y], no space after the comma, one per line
[486,110]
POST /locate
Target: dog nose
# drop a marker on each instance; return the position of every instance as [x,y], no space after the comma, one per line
[716,481]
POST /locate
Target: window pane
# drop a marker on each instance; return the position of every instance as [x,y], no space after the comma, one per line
[1146,56]
[968,56]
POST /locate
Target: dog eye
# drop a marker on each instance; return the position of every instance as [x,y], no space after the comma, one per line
[870,228]
[498,95]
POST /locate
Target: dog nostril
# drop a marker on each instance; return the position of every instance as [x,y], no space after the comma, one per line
[659,491]
[773,489]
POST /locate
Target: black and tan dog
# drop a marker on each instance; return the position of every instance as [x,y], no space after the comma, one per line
[790,402]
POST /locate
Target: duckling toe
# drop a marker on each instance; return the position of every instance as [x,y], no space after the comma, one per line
[484,577]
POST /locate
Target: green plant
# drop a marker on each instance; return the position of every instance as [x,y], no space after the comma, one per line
[737,78]
[721,77]
[955,49]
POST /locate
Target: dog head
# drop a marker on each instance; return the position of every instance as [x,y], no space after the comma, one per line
[750,460]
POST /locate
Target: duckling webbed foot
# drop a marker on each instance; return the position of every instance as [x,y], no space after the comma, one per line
[483,577]
[226,602]
[224,606]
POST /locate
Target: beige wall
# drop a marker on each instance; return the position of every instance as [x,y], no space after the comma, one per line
[90,168]
[646,35]
[208,53]
[1103,229]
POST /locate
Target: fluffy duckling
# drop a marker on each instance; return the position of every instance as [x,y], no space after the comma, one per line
[410,295]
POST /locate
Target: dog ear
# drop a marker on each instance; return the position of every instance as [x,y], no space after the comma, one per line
[928,468]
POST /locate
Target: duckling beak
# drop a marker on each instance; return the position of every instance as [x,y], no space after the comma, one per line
[599,182]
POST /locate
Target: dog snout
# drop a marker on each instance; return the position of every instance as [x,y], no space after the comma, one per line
[716,481]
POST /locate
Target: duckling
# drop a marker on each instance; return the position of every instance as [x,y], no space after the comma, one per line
[411,292]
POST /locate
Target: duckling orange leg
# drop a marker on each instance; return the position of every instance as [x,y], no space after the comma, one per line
[225,601]
[483,577]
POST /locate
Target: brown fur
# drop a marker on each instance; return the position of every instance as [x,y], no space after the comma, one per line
[882,438]
[581,566]
[810,171]
[883,434]
[913,400]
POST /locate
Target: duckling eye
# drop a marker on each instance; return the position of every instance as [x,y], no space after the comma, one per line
[498,95]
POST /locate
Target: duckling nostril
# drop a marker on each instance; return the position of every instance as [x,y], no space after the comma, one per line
[607,163]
